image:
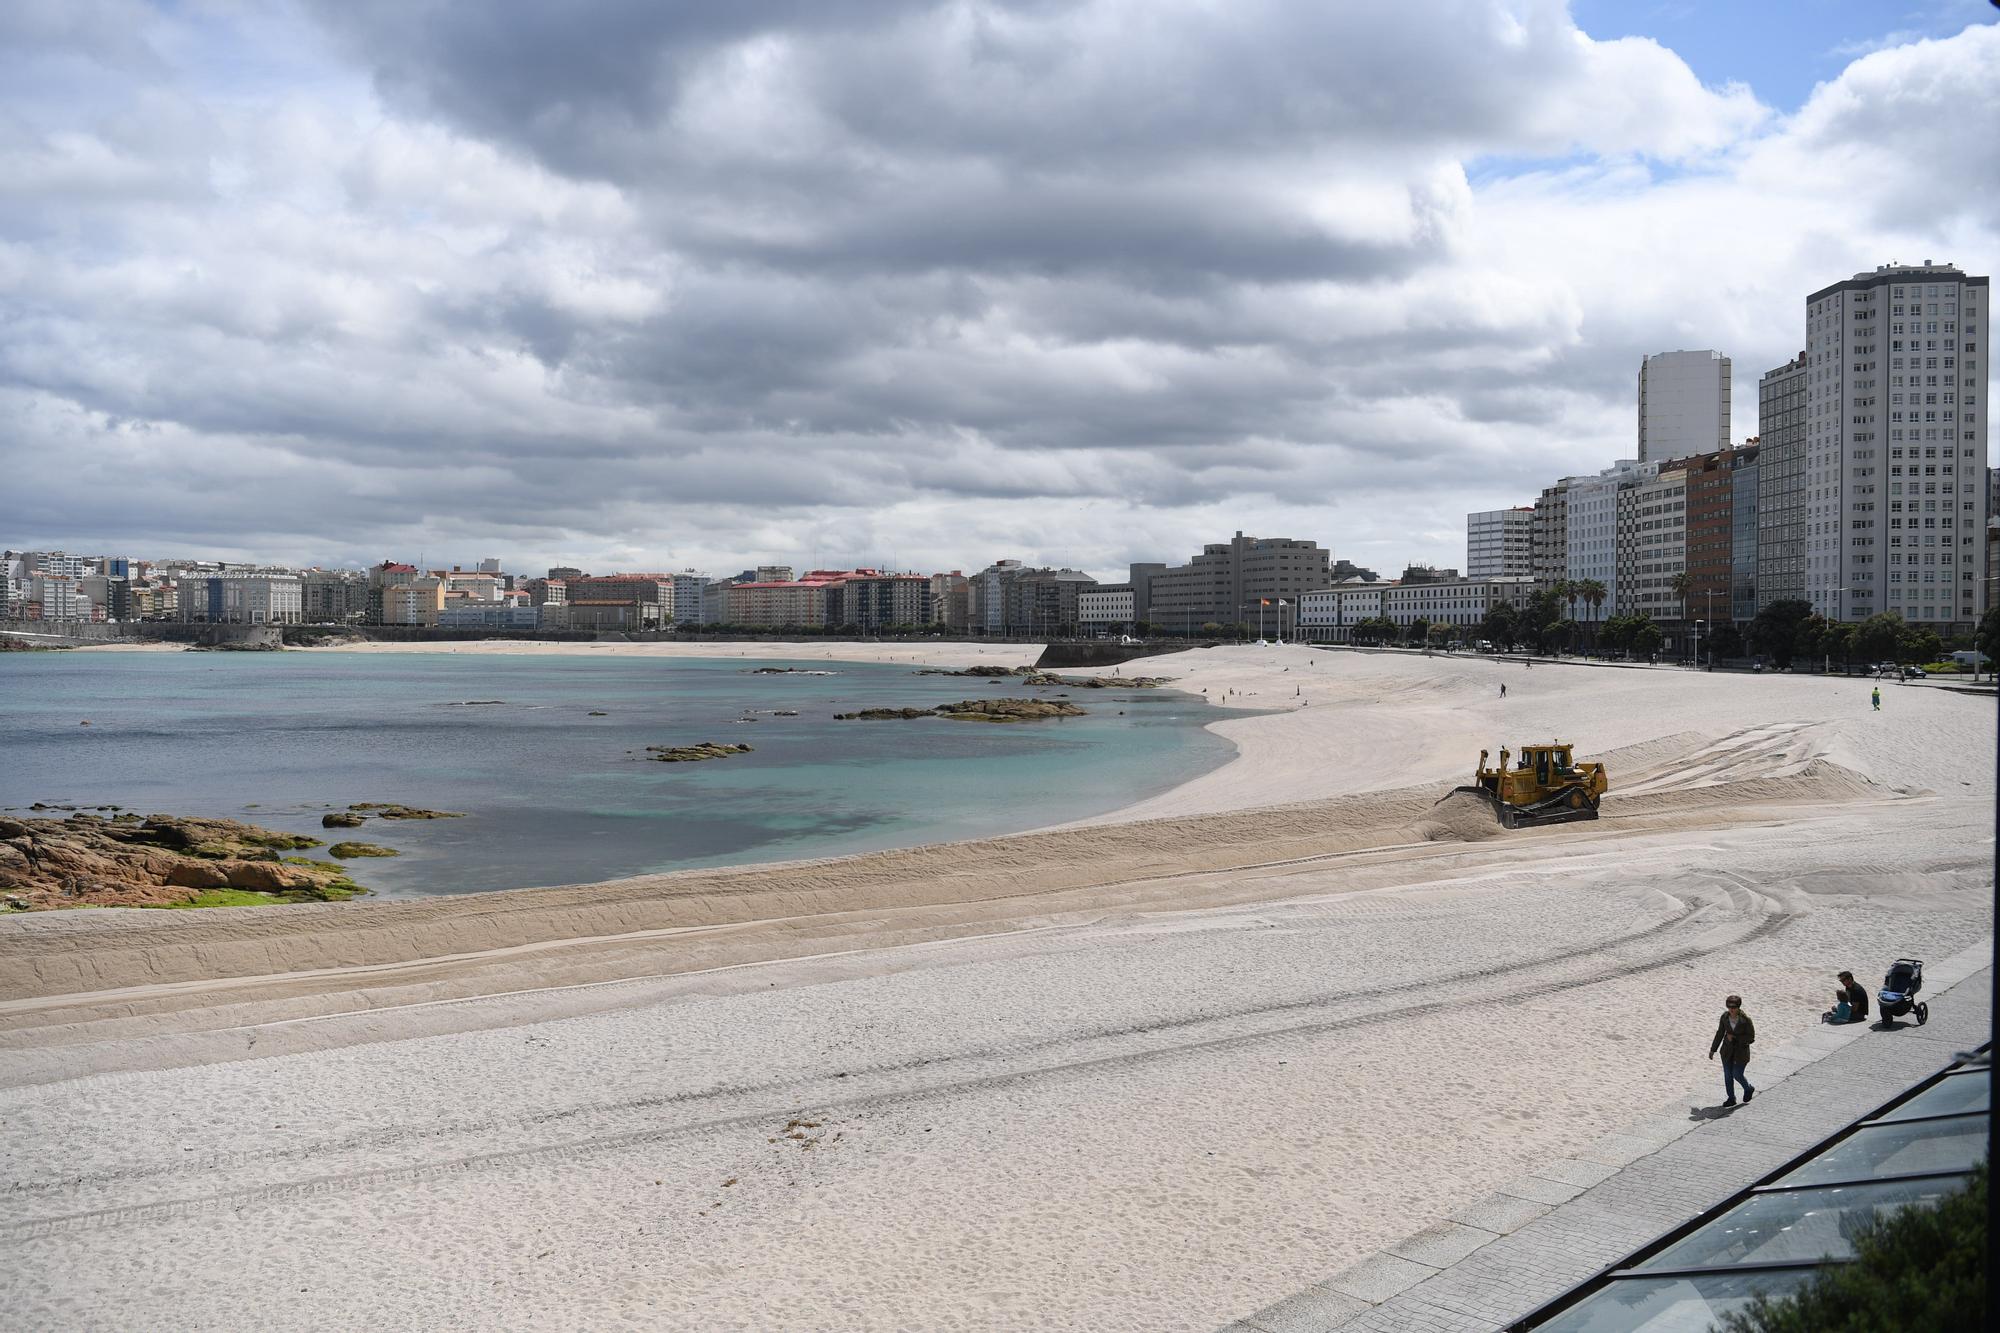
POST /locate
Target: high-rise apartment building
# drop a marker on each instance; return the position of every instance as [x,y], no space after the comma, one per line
[1548,535]
[1683,405]
[1499,543]
[1652,545]
[1745,502]
[1713,528]
[1781,483]
[1593,526]
[1896,444]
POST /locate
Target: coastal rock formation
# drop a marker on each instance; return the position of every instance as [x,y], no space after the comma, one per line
[1099,682]
[1008,710]
[348,850]
[392,811]
[974,710]
[789,671]
[984,672]
[342,819]
[160,861]
[688,754]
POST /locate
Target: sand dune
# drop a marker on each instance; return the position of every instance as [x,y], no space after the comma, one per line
[1145,1073]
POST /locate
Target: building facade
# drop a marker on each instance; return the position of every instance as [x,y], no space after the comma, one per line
[1462,603]
[1781,483]
[1683,405]
[1745,503]
[333,596]
[1500,543]
[1105,608]
[874,601]
[1593,524]
[1228,581]
[1896,445]
[242,600]
[1329,615]
[1713,531]
[1548,536]
[1652,545]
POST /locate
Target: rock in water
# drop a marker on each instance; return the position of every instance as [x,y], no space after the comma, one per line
[688,754]
[162,861]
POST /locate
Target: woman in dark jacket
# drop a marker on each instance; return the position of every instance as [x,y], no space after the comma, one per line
[1733,1035]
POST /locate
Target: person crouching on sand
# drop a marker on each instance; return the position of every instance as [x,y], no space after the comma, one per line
[1733,1035]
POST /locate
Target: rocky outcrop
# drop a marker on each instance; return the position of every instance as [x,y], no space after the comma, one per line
[1008,710]
[161,861]
[688,754]
[342,819]
[982,672]
[1098,682]
[382,811]
[974,710]
[349,850]
[789,671]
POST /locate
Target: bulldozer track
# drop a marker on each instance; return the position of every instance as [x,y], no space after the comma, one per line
[1761,917]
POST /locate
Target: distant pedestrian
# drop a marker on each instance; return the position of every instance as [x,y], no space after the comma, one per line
[1733,1036]
[1875,697]
[1503,691]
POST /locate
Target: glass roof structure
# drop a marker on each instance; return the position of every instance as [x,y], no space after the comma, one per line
[1775,1236]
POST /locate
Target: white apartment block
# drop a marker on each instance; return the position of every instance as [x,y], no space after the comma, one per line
[60,597]
[1896,493]
[1461,602]
[1652,546]
[1105,606]
[688,597]
[1683,405]
[1329,615]
[1499,543]
[1593,524]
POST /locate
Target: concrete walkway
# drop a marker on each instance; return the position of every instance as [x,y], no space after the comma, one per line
[1540,1235]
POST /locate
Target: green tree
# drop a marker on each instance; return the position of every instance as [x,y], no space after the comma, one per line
[1919,644]
[1988,639]
[1646,637]
[1775,630]
[1680,584]
[1838,643]
[1419,632]
[1501,625]
[1880,637]
[1723,641]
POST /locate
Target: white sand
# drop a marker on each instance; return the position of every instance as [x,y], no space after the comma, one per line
[1125,1076]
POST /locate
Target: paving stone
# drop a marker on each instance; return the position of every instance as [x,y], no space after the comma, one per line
[1442,1245]
[1310,1311]
[1540,1190]
[1572,1171]
[1500,1213]
[1378,1277]
[1619,1150]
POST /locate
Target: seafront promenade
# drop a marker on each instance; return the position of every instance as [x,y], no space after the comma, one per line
[1540,1235]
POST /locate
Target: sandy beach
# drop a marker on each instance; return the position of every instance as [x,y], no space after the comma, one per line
[1150,1072]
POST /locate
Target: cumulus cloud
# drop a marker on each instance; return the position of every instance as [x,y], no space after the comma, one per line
[633,284]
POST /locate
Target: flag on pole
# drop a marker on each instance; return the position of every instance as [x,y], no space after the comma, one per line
[1263,601]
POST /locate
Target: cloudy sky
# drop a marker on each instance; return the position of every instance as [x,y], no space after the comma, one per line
[630,284]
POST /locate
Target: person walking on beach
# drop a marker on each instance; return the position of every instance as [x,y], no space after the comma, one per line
[1733,1035]
[1875,695]
[1503,690]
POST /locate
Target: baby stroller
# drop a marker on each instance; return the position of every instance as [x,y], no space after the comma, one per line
[1899,990]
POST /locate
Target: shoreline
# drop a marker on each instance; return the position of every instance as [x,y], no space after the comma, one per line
[1294,1012]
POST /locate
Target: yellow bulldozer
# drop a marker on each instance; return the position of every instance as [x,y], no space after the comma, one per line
[1545,786]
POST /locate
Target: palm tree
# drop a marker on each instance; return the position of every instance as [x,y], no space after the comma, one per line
[1593,594]
[1569,590]
[1680,586]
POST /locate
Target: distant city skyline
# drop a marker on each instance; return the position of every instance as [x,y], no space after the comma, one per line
[912,286]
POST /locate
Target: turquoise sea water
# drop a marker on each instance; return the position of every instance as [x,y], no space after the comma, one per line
[552,795]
